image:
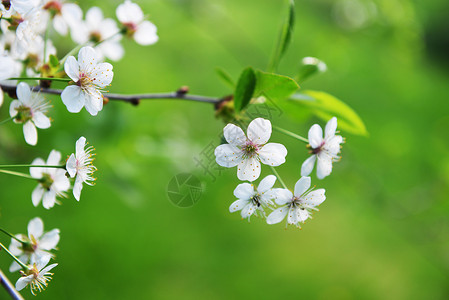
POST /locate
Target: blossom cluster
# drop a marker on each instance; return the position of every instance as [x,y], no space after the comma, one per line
[27,53]
[249,151]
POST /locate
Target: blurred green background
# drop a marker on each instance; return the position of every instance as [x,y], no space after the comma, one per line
[383,231]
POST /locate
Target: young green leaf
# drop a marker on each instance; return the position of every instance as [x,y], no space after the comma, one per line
[284,37]
[225,77]
[54,61]
[245,89]
[326,106]
[274,86]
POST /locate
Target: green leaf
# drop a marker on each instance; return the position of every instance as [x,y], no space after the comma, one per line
[54,61]
[274,86]
[284,37]
[245,89]
[225,77]
[326,106]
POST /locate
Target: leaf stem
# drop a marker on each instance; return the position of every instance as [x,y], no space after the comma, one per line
[15,258]
[17,174]
[291,134]
[278,177]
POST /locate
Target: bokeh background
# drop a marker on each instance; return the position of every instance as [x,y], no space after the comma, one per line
[383,231]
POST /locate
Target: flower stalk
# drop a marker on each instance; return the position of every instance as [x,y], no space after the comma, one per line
[291,134]
[15,258]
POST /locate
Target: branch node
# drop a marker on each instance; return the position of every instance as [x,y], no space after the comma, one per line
[134,101]
[182,91]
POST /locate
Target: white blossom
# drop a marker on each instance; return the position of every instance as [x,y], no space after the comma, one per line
[65,15]
[251,200]
[297,206]
[324,150]
[37,276]
[90,78]
[38,244]
[131,16]
[29,109]
[52,181]
[247,152]
[80,165]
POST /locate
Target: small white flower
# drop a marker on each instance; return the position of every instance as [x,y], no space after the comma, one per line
[247,152]
[131,16]
[65,15]
[324,151]
[37,276]
[298,206]
[253,200]
[29,109]
[80,165]
[52,181]
[37,244]
[90,78]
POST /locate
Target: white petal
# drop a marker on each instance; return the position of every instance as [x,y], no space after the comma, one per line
[49,199]
[54,158]
[292,216]
[228,155]
[146,34]
[266,184]
[43,271]
[315,198]
[307,165]
[237,205]
[35,228]
[73,98]
[71,165]
[30,133]
[330,129]
[282,196]
[273,154]
[259,131]
[94,16]
[315,136]
[234,135]
[77,187]
[72,68]
[333,144]
[302,215]
[248,210]
[37,194]
[36,172]
[42,261]
[15,267]
[102,74]
[60,25]
[61,183]
[323,165]
[87,57]
[129,12]
[112,50]
[23,93]
[244,191]
[248,169]
[13,108]
[79,147]
[23,282]
[49,240]
[40,120]
[94,102]
[277,215]
[302,185]
[71,13]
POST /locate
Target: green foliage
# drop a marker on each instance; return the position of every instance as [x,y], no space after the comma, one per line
[326,106]
[53,61]
[284,37]
[245,89]
[274,86]
[225,77]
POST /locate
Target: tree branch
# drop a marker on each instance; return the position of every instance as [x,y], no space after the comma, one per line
[9,287]
[180,94]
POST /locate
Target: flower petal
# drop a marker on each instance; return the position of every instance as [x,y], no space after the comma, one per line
[273,154]
[307,166]
[259,131]
[237,205]
[23,92]
[79,147]
[43,271]
[330,129]
[102,74]
[302,214]
[35,228]
[13,108]
[248,210]
[278,215]
[244,191]
[71,165]
[77,187]
[315,198]
[282,196]
[60,182]
[49,240]
[72,68]
[30,133]
[324,165]
[129,12]
[37,194]
[234,135]
[54,158]
[333,144]
[73,98]
[40,120]
[94,102]
[228,155]
[315,136]
[266,184]
[302,185]
[49,199]
[146,34]
[248,169]
[86,58]
[292,216]
[23,282]
[36,172]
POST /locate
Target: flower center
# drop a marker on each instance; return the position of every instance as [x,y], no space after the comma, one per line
[6,4]
[316,150]
[95,37]
[24,114]
[46,181]
[85,81]
[54,7]
[249,150]
[255,200]
[129,28]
